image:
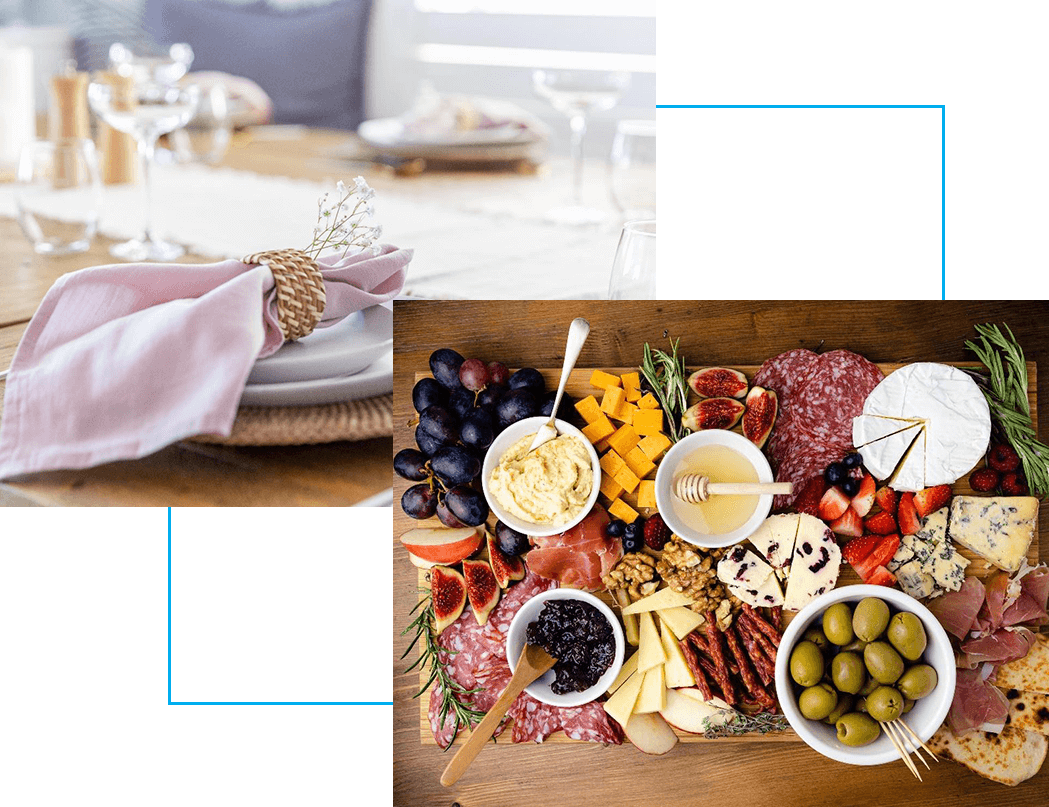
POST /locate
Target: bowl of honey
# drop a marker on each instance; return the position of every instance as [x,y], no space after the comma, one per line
[721,456]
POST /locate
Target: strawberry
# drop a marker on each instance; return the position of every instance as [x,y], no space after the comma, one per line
[808,500]
[984,480]
[849,524]
[880,577]
[930,500]
[907,515]
[1003,458]
[833,504]
[884,551]
[1014,484]
[656,533]
[877,550]
[880,523]
[863,501]
[859,548]
[885,498]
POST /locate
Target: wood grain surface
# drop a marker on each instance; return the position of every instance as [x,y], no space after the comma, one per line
[733,333]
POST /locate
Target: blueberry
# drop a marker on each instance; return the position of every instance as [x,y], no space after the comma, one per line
[853,460]
[835,473]
[632,530]
[614,528]
[850,486]
[632,543]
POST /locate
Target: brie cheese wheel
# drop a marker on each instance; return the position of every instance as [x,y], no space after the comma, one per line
[955,421]
[815,565]
[774,540]
[882,457]
[868,428]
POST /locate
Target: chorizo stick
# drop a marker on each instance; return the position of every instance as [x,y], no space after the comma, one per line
[717,656]
[754,618]
[761,664]
[750,682]
[697,672]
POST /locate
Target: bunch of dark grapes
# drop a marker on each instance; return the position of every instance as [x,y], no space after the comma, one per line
[461,410]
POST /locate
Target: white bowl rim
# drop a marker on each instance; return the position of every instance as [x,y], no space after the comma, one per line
[510,435]
[519,624]
[689,443]
[939,646]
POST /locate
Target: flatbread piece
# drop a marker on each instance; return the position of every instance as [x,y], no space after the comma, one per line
[1028,710]
[1011,757]
[1031,673]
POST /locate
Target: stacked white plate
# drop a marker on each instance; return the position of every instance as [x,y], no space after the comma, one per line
[350,360]
[388,135]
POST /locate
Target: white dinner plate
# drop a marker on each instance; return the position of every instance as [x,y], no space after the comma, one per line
[345,348]
[390,133]
[376,379]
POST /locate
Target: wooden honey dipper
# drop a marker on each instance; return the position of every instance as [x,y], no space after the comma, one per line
[696,488]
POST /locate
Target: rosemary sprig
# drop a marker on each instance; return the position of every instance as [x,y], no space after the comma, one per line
[666,375]
[762,723]
[1005,388]
[452,693]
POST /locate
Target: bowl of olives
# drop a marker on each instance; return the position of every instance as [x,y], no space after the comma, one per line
[859,656]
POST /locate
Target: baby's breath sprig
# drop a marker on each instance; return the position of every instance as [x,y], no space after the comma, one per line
[341,224]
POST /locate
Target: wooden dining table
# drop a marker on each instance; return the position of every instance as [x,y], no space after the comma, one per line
[771,772]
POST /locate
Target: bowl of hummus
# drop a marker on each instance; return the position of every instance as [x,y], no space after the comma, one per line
[541,492]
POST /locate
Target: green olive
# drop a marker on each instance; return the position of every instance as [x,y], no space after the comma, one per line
[861,704]
[837,623]
[856,646]
[870,619]
[806,664]
[857,729]
[817,702]
[907,635]
[871,685]
[908,704]
[917,682]
[845,704]
[885,704]
[816,635]
[883,663]
[848,672]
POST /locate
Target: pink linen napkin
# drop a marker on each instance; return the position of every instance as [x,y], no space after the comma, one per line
[120,361]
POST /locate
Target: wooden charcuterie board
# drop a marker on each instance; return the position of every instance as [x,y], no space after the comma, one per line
[579,387]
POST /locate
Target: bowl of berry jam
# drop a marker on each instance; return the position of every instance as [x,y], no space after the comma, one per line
[581,632]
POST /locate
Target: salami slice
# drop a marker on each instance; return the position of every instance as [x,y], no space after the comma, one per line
[787,372]
[535,721]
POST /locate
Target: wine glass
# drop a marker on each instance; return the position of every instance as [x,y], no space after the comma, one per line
[156,109]
[632,168]
[155,67]
[206,137]
[634,267]
[578,94]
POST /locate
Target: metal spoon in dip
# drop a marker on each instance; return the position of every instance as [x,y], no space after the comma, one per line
[577,334]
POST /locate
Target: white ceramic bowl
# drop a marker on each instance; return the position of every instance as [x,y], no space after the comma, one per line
[927,714]
[502,444]
[540,688]
[668,470]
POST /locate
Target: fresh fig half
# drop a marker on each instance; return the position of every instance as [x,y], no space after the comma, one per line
[481,588]
[713,413]
[448,592]
[762,406]
[718,382]
[505,567]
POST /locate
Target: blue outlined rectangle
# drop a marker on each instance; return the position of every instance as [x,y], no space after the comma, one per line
[943,153]
[242,703]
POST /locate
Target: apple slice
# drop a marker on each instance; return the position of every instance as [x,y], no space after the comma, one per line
[421,562]
[688,713]
[650,733]
[443,545]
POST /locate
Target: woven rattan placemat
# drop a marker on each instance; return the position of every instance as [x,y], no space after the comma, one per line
[303,425]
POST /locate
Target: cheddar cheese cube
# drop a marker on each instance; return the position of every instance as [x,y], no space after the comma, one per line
[623,511]
[646,493]
[633,394]
[603,380]
[629,498]
[626,412]
[632,385]
[627,478]
[648,401]
[638,462]
[610,487]
[601,445]
[598,430]
[611,463]
[624,439]
[654,445]
[648,421]
[612,399]
[589,409]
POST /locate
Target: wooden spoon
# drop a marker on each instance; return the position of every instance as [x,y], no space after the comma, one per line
[695,488]
[534,661]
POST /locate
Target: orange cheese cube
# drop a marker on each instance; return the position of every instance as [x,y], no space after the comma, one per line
[648,421]
[632,384]
[603,380]
[612,399]
[632,394]
[654,445]
[623,511]
[611,463]
[626,412]
[624,439]
[601,445]
[629,498]
[610,487]
[639,463]
[589,409]
[598,430]
[627,478]
[648,401]
[646,493]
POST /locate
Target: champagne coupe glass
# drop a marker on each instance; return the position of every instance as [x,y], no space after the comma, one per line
[155,67]
[634,267]
[578,94]
[156,110]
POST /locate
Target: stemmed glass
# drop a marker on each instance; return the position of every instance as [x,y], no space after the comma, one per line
[578,94]
[156,110]
[634,267]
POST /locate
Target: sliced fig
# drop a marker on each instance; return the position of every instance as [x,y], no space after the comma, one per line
[762,406]
[481,588]
[506,568]
[718,382]
[448,592]
[713,413]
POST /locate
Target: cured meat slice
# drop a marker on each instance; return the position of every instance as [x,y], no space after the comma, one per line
[975,702]
[787,372]
[989,619]
[579,557]
[1029,607]
[1000,647]
[957,610]
[535,721]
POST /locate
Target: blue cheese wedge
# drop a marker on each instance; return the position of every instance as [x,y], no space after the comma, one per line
[815,565]
[749,578]
[774,541]
[927,563]
[998,528]
[914,580]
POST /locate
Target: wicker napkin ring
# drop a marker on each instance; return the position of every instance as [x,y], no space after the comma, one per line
[300,289]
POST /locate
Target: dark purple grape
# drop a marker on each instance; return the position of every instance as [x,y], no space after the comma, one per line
[529,379]
[467,505]
[498,373]
[835,473]
[444,364]
[446,517]
[853,460]
[516,405]
[564,411]
[419,501]
[473,374]
[476,431]
[455,465]
[411,464]
[440,422]
[428,444]
[614,528]
[461,401]
[490,395]
[426,393]
[850,487]
[510,541]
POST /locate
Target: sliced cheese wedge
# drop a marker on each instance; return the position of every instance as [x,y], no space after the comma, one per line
[621,705]
[650,650]
[749,578]
[774,540]
[883,456]
[664,598]
[653,696]
[910,473]
[870,428]
[629,668]
[682,621]
[815,566]
[676,671]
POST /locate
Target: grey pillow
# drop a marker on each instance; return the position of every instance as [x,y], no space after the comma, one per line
[309,60]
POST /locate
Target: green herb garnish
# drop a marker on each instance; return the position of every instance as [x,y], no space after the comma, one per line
[666,375]
[761,723]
